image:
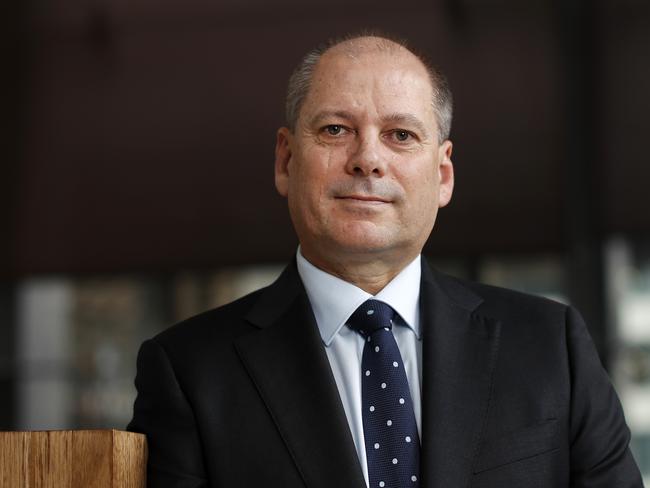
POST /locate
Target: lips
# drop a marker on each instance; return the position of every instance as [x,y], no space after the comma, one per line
[364,198]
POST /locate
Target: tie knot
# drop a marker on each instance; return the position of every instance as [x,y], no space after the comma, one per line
[371,315]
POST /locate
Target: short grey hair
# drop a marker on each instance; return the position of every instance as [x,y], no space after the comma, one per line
[300,81]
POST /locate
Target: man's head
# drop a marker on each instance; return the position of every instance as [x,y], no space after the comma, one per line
[301,78]
[363,164]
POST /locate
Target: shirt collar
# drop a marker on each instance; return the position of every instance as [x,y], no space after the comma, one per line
[333,300]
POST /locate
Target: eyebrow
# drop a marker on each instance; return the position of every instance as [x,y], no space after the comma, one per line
[330,114]
[407,119]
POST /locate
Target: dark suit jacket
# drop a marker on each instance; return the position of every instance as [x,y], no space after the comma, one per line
[513,395]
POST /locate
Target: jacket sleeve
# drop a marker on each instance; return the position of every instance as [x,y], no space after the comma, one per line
[600,456]
[162,412]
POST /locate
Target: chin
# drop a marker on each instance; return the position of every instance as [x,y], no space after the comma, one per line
[360,240]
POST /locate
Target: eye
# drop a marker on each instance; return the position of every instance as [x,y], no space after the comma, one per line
[333,129]
[402,135]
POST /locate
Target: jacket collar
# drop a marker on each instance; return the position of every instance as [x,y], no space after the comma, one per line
[288,364]
[460,348]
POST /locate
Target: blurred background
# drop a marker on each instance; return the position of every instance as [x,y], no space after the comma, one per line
[137,146]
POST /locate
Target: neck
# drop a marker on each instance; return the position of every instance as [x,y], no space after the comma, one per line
[369,273]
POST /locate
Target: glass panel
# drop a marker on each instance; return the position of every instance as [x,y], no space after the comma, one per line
[628,273]
[78,338]
[111,317]
[540,275]
[43,314]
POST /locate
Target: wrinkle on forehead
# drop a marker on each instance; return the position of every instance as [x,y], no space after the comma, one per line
[364,49]
[370,77]
[340,90]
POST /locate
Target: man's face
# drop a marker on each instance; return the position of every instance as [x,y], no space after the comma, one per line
[364,172]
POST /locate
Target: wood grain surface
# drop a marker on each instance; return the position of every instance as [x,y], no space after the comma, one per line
[73,459]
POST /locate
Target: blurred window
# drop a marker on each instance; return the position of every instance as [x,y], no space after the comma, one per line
[78,337]
[628,282]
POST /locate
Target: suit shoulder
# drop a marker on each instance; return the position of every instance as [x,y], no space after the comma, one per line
[501,302]
[226,320]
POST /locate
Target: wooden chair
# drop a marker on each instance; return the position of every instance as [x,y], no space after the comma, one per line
[73,459]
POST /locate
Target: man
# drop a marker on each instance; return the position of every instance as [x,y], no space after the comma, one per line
[360,366]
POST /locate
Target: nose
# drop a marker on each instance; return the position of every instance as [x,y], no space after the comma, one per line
[366,158]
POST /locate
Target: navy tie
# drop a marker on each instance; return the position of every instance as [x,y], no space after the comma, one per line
[389,428]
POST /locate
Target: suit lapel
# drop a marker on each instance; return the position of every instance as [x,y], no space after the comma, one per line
[459,354]
[287,361]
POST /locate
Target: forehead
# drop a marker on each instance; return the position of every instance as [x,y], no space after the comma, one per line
[375,82]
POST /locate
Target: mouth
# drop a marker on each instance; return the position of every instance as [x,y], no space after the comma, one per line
[363,199]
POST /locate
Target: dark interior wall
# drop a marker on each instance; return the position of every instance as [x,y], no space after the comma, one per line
[7,356]
[623,124]
[151,126]
[14,52]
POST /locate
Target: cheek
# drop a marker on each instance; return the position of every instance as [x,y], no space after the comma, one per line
[420,185]
[315,168]
[309,183]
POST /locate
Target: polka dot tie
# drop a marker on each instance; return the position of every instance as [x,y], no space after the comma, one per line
[389,428]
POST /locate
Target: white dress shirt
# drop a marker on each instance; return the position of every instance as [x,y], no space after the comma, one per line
[333,301]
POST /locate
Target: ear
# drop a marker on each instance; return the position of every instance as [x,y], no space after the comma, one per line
[445,173]
[282,159]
